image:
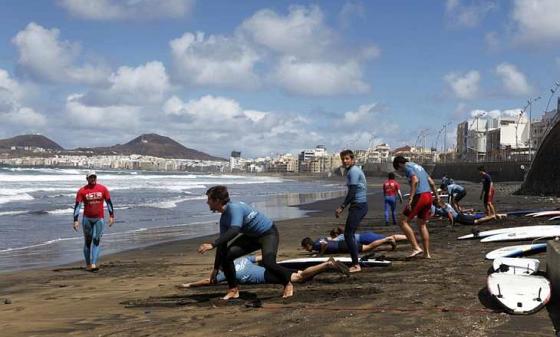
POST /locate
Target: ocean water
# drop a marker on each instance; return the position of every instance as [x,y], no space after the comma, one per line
[36,209]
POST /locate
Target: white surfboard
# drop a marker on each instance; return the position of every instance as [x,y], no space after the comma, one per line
[516,265]
[312,261]
[517,250]
[554,218]
[519,294]
[547,213]
[505,230]
[526,234]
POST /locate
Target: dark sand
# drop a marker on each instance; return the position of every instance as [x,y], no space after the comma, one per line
[134,295]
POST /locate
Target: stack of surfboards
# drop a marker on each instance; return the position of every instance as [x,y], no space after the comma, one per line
[515,287]
[515,233]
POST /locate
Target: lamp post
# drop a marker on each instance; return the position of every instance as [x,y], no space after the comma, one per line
[530,104]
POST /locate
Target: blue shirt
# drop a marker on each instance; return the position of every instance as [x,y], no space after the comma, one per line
[246,271]
[239,214]
[355,176]
[453,189]
[443,211]
[412,169]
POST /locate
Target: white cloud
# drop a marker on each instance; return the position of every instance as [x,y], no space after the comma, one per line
[216,60]
[43,56]
[146,83]
[537,21]
[464,86]
[13,112]
[302,32]
[122,117]
[349,11]
[496,113]
[513,80]
[471,15]
[363,114]
[130,9]
[319,78]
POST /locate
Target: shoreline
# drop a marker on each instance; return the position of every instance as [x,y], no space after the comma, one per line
[135,289]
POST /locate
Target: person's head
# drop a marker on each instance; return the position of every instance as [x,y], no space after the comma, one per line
[307,244]
[481,169]
[91,177]
[218,196]
[391,175]
[347,157]
[443,187]
[441,203]
[332,234]
[399,162]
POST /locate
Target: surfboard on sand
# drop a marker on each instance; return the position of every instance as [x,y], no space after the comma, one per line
[517,250]
[522,212]
[301,263]
[554,218]
[519,294]
[483,234]
[546,213]
[526,234]
[516,265]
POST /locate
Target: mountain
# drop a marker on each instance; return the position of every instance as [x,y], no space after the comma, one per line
[31,141]
[155,145]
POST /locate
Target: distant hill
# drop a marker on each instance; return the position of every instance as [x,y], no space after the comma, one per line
[154,145]
[30,141]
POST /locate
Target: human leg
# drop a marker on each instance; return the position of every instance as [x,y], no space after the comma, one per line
[88,234]
[240,246]
[269,246]
[96,240]
[355,214]
[425,234]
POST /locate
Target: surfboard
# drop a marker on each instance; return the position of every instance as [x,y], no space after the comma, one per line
[519,294]
[526,234]
[516,265]
[487,233]
[554,218]
[525,211]
[517,250]
[547,213]
[301,263]
[406,195]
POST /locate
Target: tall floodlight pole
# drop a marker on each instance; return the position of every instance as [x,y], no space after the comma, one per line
[530,104]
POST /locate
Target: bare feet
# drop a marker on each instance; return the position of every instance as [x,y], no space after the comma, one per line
[94,268]
[288,290]
[415,253]
[183,286]
[427,256]
[392,242]
[88,268]
[355,269]
[231,294]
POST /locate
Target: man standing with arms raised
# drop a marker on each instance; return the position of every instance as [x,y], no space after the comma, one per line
[92,195]
[357,200]
[257,232]
[419,204]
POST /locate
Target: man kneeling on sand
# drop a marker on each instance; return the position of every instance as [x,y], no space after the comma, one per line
[367,241]
[247,271]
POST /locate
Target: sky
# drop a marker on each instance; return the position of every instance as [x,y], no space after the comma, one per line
[270,77]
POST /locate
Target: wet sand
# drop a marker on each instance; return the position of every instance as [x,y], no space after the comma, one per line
[134,295]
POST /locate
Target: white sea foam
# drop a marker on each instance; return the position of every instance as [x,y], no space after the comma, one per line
[46,243]
[12,213]
[4,199]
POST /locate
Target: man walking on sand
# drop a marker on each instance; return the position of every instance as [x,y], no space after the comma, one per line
[257,232]
[357,200]
[92,196]
[391,189]
[487,193]
[419,204]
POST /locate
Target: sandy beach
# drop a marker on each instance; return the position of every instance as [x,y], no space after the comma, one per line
[134,293]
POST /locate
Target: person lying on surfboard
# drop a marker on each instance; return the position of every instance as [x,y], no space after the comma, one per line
[447,211]
[367,241]
[248,271]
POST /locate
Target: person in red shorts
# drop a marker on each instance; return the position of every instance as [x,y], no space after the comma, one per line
[420,203]
[92,196]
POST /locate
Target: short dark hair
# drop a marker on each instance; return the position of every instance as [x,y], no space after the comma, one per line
[307,242]
[218,192]
[391,175]
[345,153]
[481,168]
[399,160]
[443,187]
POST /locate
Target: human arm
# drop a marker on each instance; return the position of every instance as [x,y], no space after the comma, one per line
[433,187]
[111,211]
[350,196]
[323,248]
[200,283]
[450,217]
[77,208]
[400,195]
[413,185]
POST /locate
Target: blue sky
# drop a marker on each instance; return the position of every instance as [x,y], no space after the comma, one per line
[268,77]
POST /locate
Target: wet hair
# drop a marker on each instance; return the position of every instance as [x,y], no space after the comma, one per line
[399,160]
[391,175]
[345,153]
[218,192]
[307,242]
[333,234]
[481,168]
